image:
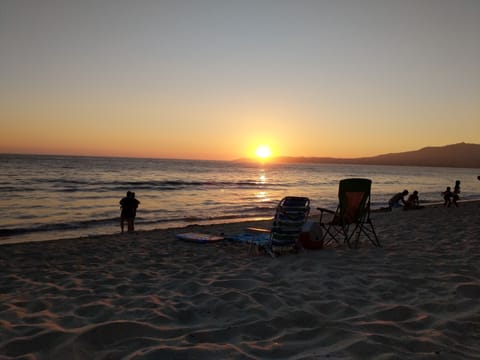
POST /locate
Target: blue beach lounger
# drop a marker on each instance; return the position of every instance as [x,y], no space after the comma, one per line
[290,216]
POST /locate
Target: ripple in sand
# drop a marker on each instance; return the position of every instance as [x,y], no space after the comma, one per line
[397,313]
[44,340]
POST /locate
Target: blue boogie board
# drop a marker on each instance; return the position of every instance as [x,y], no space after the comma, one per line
[199,237]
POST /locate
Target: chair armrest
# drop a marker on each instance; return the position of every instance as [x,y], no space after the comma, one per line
[327,211]
[258,230]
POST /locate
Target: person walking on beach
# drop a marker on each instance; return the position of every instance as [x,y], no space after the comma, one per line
[395,201]
[129,205]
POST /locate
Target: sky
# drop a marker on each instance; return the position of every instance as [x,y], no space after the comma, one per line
[213,79]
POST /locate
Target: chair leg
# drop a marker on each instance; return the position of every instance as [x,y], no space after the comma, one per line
[350,234]
[375,240]
[331,234]
[368,230]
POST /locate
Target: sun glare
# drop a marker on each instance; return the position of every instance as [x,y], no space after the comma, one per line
[263,151]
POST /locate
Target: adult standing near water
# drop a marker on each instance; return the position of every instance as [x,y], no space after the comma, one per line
[456,192]
[129,205]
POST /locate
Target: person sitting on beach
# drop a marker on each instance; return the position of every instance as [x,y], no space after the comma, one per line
[129,207]
[395,201]
[447,196]
[413,202]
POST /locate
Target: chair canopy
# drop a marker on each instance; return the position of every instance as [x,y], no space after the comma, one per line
[354,199]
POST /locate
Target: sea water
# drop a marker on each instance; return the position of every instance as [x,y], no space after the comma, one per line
[52,197]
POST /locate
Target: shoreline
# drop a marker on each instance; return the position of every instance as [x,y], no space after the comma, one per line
[148,295]
[199,227]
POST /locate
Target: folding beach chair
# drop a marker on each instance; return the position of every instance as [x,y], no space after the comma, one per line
[290,216]
[352,217]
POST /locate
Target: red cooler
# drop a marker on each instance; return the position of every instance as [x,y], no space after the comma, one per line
[311,236]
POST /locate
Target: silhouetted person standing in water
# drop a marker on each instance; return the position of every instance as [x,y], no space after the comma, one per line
[129,207]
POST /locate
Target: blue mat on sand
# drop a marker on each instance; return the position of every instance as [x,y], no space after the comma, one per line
[250,238]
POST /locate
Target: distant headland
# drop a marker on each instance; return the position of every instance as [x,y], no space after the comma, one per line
[461,155]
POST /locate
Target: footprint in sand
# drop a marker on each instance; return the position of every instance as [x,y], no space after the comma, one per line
[469,290]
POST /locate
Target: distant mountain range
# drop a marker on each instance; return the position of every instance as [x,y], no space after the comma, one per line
[456,155]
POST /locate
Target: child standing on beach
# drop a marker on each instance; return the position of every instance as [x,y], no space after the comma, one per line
[447,196]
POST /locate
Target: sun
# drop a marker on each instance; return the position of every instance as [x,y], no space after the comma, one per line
[263,151]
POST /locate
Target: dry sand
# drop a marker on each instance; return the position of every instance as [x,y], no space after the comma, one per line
[149,296]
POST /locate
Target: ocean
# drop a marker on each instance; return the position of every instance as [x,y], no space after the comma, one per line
[53,197]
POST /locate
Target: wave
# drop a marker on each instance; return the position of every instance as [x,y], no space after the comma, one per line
[55,227]
[66,186]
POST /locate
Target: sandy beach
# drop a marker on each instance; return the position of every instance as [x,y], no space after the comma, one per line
[148,295]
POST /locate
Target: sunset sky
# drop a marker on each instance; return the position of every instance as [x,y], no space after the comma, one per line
[213,79]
